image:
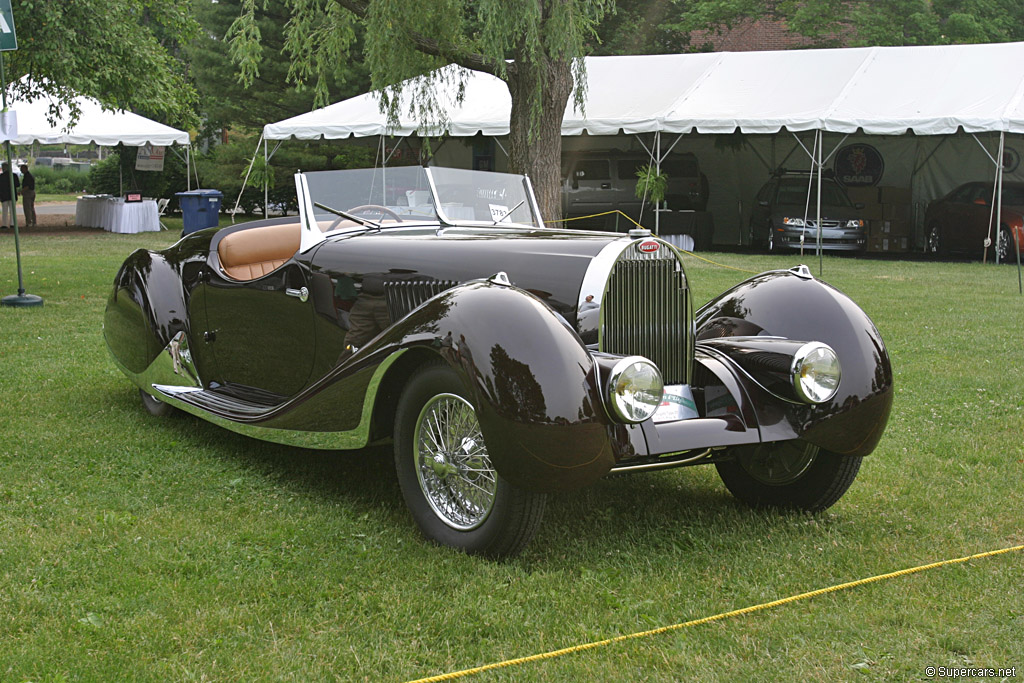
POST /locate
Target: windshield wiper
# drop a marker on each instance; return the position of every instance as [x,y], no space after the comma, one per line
[511,211]
[349,216]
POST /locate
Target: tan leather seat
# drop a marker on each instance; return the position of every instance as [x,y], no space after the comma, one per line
[249,254]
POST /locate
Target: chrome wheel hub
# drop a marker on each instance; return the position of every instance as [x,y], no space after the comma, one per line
[452,466]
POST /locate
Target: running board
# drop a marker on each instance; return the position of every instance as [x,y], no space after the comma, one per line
[211,401]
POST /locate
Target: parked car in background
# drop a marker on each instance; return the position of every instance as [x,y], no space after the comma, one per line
[595,182]
[505,361]
[959,222]
[777,220]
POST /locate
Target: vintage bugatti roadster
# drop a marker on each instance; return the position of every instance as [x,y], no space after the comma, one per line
[506,361]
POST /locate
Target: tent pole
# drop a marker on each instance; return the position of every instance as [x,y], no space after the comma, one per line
[810,184]
[246,180]
[657,168]
[821,143]
[266,183]
[1013,237]
[21,299]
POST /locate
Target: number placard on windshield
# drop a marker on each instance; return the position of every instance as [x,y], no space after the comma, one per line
[498,211]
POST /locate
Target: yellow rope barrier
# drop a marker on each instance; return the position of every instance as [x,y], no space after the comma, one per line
[706,620]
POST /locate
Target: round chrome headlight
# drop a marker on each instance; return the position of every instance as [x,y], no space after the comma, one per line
[635,389]
[816,372]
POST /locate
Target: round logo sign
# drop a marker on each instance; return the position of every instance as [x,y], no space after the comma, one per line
[648,247]
[859,166]
[1011,160]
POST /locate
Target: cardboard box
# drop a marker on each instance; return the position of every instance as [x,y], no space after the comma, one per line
[871,212]
[896,212]
[863,195]
[896,228]
[878,228]
[894,195]
[877,244]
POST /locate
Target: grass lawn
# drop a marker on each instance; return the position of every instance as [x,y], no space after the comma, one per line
[134,548]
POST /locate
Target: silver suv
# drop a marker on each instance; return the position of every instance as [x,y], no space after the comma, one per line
[594,182]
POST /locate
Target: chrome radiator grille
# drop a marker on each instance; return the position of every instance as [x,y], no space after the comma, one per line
[645,311]
[404,295]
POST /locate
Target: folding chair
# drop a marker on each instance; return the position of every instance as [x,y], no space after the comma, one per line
[161,208]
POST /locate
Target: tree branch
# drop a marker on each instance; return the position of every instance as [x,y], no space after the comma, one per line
[431,46]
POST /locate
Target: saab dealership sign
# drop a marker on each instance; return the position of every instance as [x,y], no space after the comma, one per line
[859,166]
[8,39]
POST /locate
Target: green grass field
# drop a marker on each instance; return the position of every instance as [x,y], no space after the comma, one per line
[134,548]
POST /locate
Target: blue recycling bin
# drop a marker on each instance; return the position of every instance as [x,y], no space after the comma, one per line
[199,209]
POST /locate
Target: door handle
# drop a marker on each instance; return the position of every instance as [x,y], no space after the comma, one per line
[606,186]
[300,294]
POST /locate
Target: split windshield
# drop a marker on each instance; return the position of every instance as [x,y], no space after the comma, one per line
[413,194]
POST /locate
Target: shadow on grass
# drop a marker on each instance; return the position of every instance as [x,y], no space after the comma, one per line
[675,512]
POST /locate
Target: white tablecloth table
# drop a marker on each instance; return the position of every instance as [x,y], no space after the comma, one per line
[113,214]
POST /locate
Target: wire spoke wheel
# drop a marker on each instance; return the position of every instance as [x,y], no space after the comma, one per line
[452,465]
[448,479]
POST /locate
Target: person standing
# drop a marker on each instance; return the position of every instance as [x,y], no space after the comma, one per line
[28,195]
[9,202]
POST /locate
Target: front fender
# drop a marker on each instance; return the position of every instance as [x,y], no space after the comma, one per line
[534,384]
[795,305]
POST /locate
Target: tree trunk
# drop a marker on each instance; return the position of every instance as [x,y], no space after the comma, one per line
[535,141]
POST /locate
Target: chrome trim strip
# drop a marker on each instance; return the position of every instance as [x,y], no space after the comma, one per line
[666,464]
[533,203]
[588,320]
[172,374]
[311,234]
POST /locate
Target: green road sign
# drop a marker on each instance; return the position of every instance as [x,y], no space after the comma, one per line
[8,40]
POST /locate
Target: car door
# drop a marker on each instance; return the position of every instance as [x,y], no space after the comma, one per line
[261,331]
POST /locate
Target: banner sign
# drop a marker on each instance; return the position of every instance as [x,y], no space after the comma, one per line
[150,158]
[859,165]
[8,39]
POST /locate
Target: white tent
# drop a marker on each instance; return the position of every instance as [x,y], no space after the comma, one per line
[94,125]
[890,91]
[881,90]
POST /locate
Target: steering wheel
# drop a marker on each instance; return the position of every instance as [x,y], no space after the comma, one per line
[365,207]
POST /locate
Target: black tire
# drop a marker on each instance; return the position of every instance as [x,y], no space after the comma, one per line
[788,474]
[155,406]
[456,497]
[934,244]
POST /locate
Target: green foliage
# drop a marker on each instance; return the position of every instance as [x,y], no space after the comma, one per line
[224,168]
[863,22]
[257,34]
[59,180]
[118,51]
[651,184]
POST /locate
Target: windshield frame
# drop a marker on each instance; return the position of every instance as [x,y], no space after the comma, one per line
[313,234]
